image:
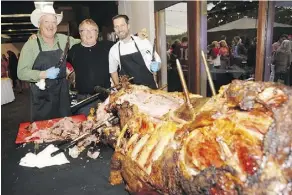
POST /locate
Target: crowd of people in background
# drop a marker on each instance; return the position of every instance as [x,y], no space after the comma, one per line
[240,51]
[224,55]
[9,65]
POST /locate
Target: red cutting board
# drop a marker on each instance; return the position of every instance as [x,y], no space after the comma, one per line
[24,133]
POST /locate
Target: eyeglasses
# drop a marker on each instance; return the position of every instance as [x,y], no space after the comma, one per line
[82,31]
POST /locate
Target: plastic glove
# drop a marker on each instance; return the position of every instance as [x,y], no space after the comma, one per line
[52,72]
[154,66]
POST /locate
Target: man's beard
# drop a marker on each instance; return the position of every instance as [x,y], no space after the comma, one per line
[121,37]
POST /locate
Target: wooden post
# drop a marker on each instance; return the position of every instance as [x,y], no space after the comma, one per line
[261,35]
[157,46]
[204,43]
[269,39]
[194,51]
[160,30]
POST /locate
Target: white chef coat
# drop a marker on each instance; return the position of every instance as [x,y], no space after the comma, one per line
[144,46]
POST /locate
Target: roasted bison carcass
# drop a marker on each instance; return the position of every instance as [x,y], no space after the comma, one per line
[238,142]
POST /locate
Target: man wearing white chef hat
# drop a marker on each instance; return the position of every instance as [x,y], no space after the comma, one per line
[38,60]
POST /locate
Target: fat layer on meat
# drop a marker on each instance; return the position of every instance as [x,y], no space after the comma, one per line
[238,142]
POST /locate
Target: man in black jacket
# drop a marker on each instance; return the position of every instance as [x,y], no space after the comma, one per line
[90,62]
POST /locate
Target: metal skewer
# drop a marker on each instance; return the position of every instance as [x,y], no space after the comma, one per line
[164,86]
[183,83]
[208,74]
[85,100]
[99,90]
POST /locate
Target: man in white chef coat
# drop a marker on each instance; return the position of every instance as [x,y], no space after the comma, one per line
[132,56]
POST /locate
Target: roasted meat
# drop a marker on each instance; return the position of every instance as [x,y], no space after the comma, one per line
[64,129]
[67,129]
[237,142]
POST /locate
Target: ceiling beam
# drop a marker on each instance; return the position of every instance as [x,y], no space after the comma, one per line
[20,33]
[16,23]
[15,15]
[19,30]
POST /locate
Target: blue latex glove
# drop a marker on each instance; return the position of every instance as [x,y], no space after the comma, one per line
[52,72]
[154,66]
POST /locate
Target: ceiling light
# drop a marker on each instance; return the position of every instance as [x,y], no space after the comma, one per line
[19,30]
[16,23]
[5,36]
[15,15]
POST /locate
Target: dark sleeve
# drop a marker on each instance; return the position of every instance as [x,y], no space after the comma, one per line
[69,57]
[110,44]
[176,51]
[242,50]
[71,54]
[106,45]
[275,58]
[289,60]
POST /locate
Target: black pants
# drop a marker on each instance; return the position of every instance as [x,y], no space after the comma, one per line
[173,81]
[290,75]
[283,77]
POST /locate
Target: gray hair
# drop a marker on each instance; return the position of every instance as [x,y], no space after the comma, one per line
[285,46]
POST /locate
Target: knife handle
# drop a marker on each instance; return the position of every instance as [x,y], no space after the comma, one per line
[57,152]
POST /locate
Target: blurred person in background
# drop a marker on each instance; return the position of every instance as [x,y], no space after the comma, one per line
[239,52]
[13,64]
[181,52]
[4,66]
[277,44]
[215,54]
[224,52]
[251,53]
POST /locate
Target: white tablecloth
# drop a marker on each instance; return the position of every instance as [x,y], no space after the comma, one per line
[7,94]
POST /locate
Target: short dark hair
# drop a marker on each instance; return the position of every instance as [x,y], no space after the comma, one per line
[223,37]
[121,16]
[184,39]
[236,38]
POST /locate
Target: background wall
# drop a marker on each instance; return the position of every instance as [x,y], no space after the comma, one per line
[15,47]
[141,14]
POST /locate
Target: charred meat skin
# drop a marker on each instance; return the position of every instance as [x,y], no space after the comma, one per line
[239,142]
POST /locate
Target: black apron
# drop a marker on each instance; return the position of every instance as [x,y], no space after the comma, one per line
[54,101]
[133,65]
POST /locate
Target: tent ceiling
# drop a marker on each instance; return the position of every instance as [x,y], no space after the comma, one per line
[243,23]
